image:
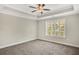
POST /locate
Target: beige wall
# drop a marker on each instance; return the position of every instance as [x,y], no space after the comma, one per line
[15,29]
[71,30]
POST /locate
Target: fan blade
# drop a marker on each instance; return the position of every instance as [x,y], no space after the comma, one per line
[47,9]
[33,10]
[32,7]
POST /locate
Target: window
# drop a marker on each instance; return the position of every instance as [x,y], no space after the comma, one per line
[55,28]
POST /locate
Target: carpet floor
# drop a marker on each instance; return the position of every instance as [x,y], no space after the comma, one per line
[39,47]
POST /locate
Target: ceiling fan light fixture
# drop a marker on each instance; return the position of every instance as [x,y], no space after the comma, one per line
[40,8]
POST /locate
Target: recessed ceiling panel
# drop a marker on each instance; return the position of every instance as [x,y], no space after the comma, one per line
[25,8]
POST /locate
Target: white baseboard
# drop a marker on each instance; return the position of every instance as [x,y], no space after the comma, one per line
[16,43]
[20,42]
[66,44]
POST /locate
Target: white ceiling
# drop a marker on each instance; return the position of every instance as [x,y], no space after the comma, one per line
[27,9]
[24,8]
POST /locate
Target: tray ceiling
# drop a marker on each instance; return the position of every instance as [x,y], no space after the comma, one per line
[24,8]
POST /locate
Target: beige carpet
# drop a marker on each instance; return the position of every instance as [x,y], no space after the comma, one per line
[39,47]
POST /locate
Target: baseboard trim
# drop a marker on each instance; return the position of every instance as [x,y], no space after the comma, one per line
[65,44]
[20,42]
[13,44]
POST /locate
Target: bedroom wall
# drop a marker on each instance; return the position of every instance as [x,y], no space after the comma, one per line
[15,29]
[71,30]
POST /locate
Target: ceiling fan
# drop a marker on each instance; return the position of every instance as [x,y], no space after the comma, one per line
[39,8]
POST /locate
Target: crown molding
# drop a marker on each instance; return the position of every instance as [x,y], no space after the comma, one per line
[60,15]
[16,12]
[59,10]
[66,11]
